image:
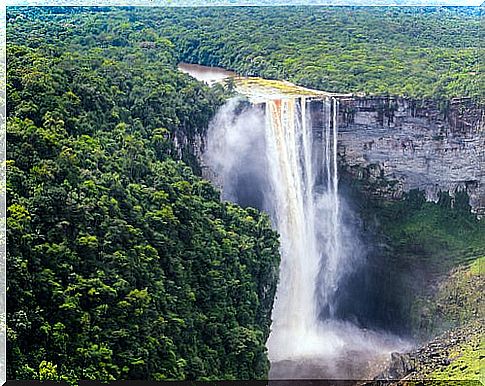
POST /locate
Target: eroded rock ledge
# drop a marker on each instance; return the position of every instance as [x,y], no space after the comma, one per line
[399,144]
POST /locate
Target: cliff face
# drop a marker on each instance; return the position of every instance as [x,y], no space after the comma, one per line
[394,145]
[397,145]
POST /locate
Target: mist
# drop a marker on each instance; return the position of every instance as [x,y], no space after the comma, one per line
[277,157]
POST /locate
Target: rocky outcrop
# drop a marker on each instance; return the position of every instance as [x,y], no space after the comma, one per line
[454,355]
[189,149]
[399,367]
[415,145]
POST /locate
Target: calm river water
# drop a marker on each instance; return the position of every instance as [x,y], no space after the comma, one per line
[209,75]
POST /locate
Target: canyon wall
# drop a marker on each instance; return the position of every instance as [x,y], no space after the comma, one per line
[395,145]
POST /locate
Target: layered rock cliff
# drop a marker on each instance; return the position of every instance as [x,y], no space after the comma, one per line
[396,145]
[393,145]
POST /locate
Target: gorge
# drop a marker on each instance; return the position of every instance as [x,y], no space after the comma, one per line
[161,228]
[280,150]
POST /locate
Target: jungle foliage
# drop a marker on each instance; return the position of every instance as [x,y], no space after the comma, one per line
[423,53]
[122,262]
[419,52]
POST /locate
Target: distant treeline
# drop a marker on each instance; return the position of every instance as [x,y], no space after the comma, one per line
[419,52]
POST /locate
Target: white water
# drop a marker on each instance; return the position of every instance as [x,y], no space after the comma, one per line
[276,158]
[296,211]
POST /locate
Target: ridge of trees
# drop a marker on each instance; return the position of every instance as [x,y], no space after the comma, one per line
[122,262]
[418,52]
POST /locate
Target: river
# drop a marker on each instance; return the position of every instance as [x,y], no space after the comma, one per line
[282,159]
[209,75]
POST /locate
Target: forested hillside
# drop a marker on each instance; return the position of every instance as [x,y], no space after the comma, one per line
[416,52]
[122,263]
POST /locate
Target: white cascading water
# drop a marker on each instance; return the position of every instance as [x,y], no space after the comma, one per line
[292,168]
[333,248]
[290,145]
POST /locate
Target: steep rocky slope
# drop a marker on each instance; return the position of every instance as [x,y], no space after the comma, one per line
[456,354]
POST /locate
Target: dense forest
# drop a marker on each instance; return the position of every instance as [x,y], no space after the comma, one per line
[122,262]
[416,52]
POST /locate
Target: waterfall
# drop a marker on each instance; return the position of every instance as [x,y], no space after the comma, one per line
[293,176]
[292,179]
[281,157]
[333,246]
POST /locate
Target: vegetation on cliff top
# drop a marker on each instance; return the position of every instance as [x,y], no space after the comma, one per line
[122,263]
[420,52]
[416,52]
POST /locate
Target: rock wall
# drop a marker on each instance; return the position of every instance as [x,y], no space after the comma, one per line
[395,144]
[415,145]
[190,149]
